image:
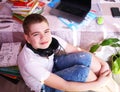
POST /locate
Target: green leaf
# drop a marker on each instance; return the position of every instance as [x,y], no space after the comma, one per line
[94,48]
[116,66]
[118,61]
[115,45]
[109,41]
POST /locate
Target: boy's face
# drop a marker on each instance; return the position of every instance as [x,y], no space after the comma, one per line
[39,35]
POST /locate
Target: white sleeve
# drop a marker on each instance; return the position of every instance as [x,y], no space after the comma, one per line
[62,42]
[37,71]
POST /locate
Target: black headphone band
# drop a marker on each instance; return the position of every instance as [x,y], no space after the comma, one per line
[48,51]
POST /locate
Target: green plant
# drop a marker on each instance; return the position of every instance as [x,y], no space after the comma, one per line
[115,58]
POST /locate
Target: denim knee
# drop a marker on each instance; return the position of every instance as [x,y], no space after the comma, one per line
[78,73]
[69,60]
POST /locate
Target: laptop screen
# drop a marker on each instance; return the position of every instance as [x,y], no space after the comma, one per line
[78,3]
[76,7]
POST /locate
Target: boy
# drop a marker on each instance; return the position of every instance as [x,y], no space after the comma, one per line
[75,70]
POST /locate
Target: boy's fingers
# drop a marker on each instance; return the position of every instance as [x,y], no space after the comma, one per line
[106,73]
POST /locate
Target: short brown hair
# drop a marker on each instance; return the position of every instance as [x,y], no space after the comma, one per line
[32,19]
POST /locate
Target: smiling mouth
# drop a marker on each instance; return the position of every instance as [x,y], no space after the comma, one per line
[44,42]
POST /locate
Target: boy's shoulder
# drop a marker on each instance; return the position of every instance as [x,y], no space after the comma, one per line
[57,37]
[61,41]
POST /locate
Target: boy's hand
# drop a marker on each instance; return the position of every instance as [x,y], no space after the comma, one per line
[104,68]
[104,78]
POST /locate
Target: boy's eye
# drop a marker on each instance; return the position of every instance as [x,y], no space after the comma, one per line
[47,31]
[35,34]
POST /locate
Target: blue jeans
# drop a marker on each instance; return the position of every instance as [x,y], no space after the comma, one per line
[71,67]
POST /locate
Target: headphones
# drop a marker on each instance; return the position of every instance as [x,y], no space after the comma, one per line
[48,51]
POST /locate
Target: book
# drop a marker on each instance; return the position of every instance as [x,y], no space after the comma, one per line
[37,10]
[23,9]
[18,17]
[19,3]
[21,13]
[15,81]
[9,53]
[33,7]
[19,0]
[13,71]
[11,76]
[20,9]
[8,64]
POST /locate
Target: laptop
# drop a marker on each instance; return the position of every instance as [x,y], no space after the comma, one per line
[74,10]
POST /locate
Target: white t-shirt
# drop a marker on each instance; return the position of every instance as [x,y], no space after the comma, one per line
[34,68]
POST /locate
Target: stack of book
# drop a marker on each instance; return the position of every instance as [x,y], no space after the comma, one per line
[21,9]
[8,61]
[10,73]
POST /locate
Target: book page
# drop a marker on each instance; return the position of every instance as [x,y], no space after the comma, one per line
[8,53]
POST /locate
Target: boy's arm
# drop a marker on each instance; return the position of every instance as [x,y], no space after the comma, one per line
[57,82]
[70,48]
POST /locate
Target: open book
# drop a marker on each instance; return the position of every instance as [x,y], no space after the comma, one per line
[8,54]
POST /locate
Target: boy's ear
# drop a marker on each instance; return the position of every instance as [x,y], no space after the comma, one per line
[26,38]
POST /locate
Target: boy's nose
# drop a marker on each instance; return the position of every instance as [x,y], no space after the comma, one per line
[42,35]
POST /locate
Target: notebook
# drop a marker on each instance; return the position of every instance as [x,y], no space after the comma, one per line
[74,10]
